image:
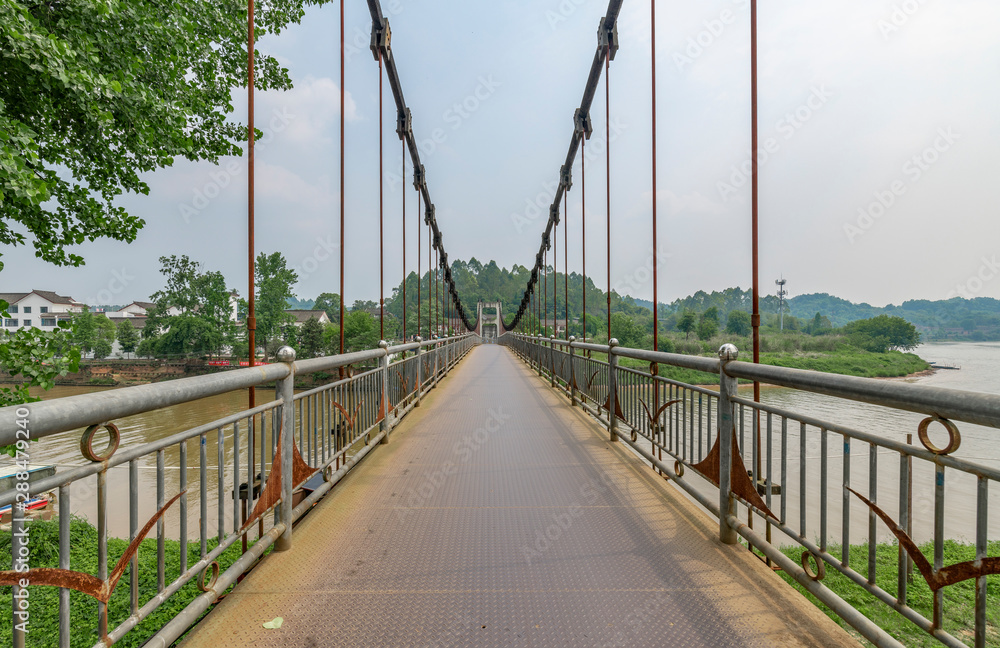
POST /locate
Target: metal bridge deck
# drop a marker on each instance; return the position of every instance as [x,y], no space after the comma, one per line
[499,515]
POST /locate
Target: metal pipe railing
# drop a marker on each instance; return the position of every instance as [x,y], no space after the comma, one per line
[331,428]
[779,449]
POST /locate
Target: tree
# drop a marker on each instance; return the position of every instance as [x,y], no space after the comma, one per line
[102,349]
[739,324]
[882,333]
[128,337]
[687,323]
[626,330]
[274,288]
[188,335]
[196,293]
[330,304]
[96,93]
[84,329]
[147,348]
[311,337]
[360,331]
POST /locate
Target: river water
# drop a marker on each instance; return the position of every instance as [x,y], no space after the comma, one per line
[978,362]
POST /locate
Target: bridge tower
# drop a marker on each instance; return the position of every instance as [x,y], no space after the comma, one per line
[490,325]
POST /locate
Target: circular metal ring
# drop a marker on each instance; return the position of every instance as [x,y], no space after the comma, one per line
[954,436]
[328,473]
[210,585]
[654,369]
[679,468]
[635,436]
[87,442]
[350,371]
[820,565]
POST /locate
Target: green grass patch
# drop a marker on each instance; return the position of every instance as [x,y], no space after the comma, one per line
[959,599]
[43,543]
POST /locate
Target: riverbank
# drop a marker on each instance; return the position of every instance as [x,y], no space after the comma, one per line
[127,373]
[960,598]
[43,546]
[893,364]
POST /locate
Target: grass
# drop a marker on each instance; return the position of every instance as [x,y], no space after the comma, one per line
[43,544]
[959,599]
[849,362]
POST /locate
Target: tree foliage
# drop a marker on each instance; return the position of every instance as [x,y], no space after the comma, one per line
[274,287]
[310,338]
[739,324]
[93,94]
[330,304]
[199,295]
[687,323]
[882,333]
[128,337]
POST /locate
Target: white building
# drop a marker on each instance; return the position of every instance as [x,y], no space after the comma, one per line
[39,309]
[141,309]
[302,316]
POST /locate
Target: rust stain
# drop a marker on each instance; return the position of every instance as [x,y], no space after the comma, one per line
[85,583]
[738,477]
[946,575]
[269,497]
[654,419]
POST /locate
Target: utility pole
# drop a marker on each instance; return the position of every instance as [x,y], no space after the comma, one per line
[782,293]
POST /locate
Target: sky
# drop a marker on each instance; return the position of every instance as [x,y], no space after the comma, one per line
[878,138]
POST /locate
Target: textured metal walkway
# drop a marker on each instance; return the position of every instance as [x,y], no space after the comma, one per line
[499,515]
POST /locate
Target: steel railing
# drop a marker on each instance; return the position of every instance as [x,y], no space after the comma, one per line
[332,427]
[809,482]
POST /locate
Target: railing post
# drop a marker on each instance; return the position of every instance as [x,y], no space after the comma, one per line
[383,363]
[727,391]
[437,353]
[286,390]
[552,361]
[572,372]
[420,370]
[612,389]
[539,346]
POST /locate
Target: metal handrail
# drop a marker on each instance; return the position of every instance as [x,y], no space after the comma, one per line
[316,424]
[778,448]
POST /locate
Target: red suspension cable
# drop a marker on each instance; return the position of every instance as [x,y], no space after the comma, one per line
[420,278]
[566,264]
[607,148]
[343,242]
[404,241]
[251,314]
[583,226]
[381,211]
[656,303]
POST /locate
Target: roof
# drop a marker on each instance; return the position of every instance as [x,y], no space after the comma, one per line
[13,298]
[302,316]
[142,305]
[137,322]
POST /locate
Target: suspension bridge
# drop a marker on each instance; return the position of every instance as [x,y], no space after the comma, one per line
[537,491]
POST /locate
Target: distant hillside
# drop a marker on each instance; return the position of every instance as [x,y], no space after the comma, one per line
[958,318]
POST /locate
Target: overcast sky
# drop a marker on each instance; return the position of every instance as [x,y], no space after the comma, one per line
[860,101]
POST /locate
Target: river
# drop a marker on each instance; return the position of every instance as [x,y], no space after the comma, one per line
[978,362]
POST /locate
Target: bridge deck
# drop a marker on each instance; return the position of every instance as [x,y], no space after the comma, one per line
[499,515]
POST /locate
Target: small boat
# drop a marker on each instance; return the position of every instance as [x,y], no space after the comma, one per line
[935,365]
[32,504]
